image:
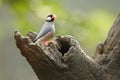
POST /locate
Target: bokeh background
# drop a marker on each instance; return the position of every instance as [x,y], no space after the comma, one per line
[87,20]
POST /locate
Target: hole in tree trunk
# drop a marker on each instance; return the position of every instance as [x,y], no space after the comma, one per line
[64,46]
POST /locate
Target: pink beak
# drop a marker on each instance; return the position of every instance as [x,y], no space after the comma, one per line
[54,16]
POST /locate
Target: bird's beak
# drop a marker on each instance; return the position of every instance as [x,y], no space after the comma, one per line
[54,16]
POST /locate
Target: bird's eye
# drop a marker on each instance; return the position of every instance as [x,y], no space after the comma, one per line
[48,18]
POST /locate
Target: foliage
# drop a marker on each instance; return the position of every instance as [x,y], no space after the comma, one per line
[89,29]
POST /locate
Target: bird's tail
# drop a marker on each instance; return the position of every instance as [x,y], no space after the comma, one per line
[34,40]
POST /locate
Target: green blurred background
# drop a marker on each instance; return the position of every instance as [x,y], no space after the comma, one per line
[87,20]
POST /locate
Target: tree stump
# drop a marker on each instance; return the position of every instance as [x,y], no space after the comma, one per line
[65,60]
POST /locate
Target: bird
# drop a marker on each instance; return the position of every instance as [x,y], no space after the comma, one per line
[47,31]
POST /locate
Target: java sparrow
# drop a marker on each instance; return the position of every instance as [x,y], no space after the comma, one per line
[47,31]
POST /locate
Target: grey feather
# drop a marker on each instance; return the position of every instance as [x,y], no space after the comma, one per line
[47,27]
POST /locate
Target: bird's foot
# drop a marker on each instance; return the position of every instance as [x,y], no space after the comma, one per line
[48,42]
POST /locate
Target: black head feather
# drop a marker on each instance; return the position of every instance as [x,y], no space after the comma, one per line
[50,18]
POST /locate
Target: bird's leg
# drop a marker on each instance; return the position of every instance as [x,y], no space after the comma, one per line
[48,42]
[46,38]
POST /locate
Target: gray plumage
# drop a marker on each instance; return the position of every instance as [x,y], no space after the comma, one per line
[47,27]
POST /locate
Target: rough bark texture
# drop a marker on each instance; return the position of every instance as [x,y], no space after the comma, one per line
[65,60]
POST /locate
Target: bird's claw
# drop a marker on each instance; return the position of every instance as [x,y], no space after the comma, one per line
[48,42]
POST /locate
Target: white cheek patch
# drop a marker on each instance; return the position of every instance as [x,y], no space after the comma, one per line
[48,18]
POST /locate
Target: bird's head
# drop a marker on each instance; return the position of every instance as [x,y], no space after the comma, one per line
[51,17]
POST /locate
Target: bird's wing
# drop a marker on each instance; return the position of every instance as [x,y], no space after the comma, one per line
[44,30]
[47,36]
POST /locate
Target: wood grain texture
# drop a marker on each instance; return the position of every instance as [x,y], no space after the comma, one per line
[65,60]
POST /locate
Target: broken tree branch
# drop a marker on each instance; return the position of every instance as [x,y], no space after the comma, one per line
[65,60]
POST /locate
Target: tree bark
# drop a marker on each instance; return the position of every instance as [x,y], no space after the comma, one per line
[65,60]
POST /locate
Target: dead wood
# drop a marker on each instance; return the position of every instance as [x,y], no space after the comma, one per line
[65,60]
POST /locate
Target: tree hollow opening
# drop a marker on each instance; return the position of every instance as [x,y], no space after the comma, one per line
[64,46]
